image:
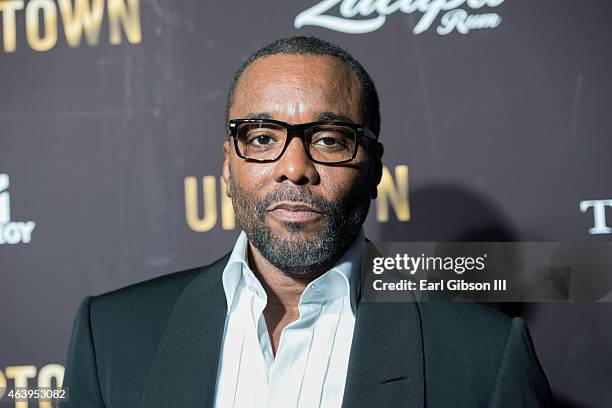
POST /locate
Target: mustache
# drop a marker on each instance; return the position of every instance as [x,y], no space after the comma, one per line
[296,193]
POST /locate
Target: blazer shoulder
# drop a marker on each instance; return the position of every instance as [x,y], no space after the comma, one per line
[149,297]
[465,320]
[464,344]
[117,334]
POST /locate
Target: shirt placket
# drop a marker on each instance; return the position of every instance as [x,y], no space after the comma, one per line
[287,374]
[254,389]
[323,344]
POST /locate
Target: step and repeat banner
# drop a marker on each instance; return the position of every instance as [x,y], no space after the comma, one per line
[495,119]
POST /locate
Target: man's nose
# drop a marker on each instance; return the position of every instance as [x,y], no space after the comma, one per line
[295,166]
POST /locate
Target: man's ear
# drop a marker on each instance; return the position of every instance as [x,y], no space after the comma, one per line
[377,166]
[225,169]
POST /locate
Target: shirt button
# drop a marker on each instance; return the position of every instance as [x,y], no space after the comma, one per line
[253,289]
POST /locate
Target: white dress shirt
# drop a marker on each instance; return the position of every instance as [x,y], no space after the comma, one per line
[311,361]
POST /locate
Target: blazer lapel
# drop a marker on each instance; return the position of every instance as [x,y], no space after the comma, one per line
[386,360]
[184,370]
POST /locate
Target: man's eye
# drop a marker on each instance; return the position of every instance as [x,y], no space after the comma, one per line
[330,140]
[261,140]
[327,141]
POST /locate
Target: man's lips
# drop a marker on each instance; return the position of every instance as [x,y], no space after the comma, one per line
[289,211]
[293,206]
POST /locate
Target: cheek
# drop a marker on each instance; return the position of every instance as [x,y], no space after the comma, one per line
[340,183]
[250,177]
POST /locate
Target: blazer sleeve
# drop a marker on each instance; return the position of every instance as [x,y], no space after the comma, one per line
[520,380]
[81,375]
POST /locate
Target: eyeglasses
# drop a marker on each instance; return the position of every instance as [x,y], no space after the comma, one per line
[265,140]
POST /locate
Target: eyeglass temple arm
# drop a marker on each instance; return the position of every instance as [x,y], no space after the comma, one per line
[369,133]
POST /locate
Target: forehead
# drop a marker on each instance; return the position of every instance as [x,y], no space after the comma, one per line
[291,87]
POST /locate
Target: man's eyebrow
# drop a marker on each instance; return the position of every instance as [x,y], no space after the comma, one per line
[334,117]
[259,115]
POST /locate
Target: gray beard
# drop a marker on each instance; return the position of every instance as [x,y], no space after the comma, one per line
[296,256]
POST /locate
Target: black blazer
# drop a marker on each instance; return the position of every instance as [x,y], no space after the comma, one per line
[156,344]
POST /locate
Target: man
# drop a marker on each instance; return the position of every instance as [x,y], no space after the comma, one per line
[278,322]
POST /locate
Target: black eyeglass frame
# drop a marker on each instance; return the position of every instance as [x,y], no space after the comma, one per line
[298,130]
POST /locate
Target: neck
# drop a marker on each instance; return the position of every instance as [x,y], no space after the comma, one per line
[284,291]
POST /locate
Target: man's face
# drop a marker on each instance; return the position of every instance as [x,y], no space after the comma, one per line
[299,215]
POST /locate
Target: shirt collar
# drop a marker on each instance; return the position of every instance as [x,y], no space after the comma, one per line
[345,274]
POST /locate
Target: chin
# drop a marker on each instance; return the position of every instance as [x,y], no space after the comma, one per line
[301,229]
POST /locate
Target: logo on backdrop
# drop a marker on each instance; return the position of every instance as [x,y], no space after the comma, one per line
[365,16]
[12,232]
[44,20]
[599,215]
[203,205]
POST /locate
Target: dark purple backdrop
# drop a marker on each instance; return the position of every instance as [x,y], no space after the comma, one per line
[505,130]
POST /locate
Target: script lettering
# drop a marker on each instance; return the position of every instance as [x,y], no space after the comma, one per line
[351,13]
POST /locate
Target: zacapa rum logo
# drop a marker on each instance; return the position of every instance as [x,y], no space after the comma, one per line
[365,16]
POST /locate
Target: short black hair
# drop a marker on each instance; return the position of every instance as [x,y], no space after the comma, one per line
[303,45]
